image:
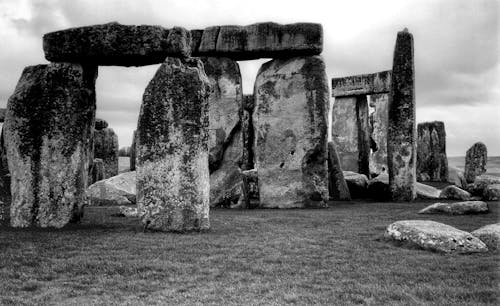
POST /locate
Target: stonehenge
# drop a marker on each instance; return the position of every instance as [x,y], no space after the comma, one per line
[432,163]
[475,161]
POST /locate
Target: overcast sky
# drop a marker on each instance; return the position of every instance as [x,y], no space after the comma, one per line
[456,50]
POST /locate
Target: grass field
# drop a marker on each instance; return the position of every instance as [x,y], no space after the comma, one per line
[331,256]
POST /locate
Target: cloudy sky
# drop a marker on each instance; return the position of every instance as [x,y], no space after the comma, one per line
[456,50]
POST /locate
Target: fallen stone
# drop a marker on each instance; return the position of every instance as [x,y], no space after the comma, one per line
[378,187]
[481,183]
[96,172]
[291,98]
[432,163]
[492,192]
[106,148]
[100,124]
[426,192]
[337,186]
[114,44]
[454,193]
[129,212]
[48,137]
[379,121]
[456,177]
[364,84]
[173,185]
[116,190]
[357,183]
[434,236]
[457,208]
[475,161]
[490,235]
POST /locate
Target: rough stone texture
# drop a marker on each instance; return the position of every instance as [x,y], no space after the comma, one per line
[492,192]
[454,193]
[357,183]
[432,163]
[401,138]
[378,187]
[482,182]
[456,177]
[434,236]
[247,130]
[457,208]
[225,105]
[363,84]
[116,190]
[129,212]
[379,121]
[96,172]
[106,148]
[100,124]
[133,150]
[490,235]
[2,114]
[290,122]
[5,198]
[116,44]
[173,188]
[426,192]
[337,186]
[261,40]
[249,190]
[48,131]
[475,161]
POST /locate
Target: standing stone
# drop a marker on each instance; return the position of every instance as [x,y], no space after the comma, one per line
[291,97]
[475,161]
[106,148]
[100,124]
[133,150]
[401,138]
[172,148]
[337,185]
[432,163]
[379,121]
[225,104]
[247,130]
[48,135]
[96,171]
[4,183]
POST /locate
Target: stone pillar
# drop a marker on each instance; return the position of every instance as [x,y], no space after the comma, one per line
[290,122]
[172,148]
[401,136]
[106,148]
[4,181]
[337,185]
[96,171]
[362,116]
[48,135]
[379,121]
[133,151]
[432,163]
[248,132]
[475,161]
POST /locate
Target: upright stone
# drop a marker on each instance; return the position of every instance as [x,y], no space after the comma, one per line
[247,130]
[401,138]
[4,183]
[337,186]
[172,148]
[475,161]
[225,104]
[379,120]
[106,148]
[48,135]
[290,117]
[133,150]
[432,163]
[96,171]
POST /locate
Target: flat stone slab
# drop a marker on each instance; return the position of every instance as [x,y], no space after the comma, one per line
[114,44]
[490,235]
[426,191]
[434,236]
[116,190]
[363,84]
[457,208]
[452,192]
[260,40]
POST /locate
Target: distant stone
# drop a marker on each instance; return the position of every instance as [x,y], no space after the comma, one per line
[357,183]
[5,197]
[173,186]
[457,208]
[249,190]
[378,128]
[482,182]
[378,187]
[337,185]
[454,193]
[116,190]
[100,124]
[2,114]
[456,177]
[129,212]
[248,133]
[490,235]
[225,186]
[492,192]
[432,163]
[248,102]
[114,44]
[106,148]
[475,161]
[96,172]
[133,150]
[364,84]
[291,98]
[434,236]
[261,40]
[48,138]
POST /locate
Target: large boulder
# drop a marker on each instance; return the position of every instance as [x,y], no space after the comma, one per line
[452,192]
[116,190]
[48,134]
[357,184]
[456,177]
[426,192]
[434,236]
[116,44]
[492,192]
[432,163]
[482,182]
[490,235]
[291,98]
[457,208]
[106,148]
[173,187]
[475,161]
[337,186]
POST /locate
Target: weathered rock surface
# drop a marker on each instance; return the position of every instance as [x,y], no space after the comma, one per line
[363,84]
[337,186]
[247,130]
[490,235]
[457,208]
[106,148]
[456,177]
[249,190]
[5,198]
[116,190]
[116,44]
[357,183]
[129,212]
[454,193]
[96,172]
[432,163]
[379,120]
[173,189]
[378,187]
[133,150]
[261,40]
[48,131]
[3,111]
[492,192]
[401,138]
[100,124]
[225,105]
[426,192]
[475,161]
[291,132]
[482,182]
[434,236]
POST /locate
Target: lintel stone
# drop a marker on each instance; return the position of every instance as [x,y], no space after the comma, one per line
[363,84]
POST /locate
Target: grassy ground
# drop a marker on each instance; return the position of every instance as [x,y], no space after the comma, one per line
[330,256]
